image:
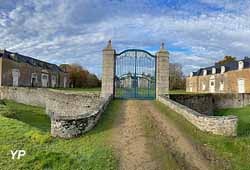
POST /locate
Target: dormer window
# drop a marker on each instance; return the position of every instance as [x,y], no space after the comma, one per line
[191,74]
[213,70]
[241,65]
[204,72]
[223,69]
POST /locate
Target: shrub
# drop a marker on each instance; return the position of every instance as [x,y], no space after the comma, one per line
[39,137]
[6,111]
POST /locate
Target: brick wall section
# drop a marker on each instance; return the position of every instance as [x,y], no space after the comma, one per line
[72,114]
[219,125]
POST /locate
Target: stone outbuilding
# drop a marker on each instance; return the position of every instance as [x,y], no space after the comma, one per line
[19,70]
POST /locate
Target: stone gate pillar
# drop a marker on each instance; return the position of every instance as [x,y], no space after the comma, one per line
[162,71]
[108,70]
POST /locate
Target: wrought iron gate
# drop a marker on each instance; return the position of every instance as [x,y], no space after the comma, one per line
[135,74]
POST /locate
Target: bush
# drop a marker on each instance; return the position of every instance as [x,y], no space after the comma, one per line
[39,137]
[6,111]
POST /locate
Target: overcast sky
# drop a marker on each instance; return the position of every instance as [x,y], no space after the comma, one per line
[196,32]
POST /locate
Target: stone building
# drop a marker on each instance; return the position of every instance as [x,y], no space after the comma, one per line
[20,70]
[233,77]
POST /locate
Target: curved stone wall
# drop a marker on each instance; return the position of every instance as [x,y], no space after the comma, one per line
[219,125]
[71,113]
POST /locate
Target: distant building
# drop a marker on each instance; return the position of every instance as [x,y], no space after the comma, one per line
[233,77]
[20,70]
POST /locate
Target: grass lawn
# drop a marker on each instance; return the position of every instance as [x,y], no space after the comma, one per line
[181,92]
[244,118]
[30,130]
[235,150]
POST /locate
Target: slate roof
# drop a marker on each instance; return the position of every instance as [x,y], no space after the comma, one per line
[29,60]
[233,65]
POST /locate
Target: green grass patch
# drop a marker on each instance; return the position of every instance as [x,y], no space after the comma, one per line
[182,92]
[243,115]
[31,132]
[235,151]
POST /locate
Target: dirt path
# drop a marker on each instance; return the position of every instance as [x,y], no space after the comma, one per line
[178,141]
[131,143]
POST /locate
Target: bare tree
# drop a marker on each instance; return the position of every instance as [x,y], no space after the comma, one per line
[176,77]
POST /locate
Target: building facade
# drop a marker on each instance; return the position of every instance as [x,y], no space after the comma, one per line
[233,77]
[23,71]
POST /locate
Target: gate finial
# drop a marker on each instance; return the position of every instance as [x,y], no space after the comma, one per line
[109,44]
[162,46]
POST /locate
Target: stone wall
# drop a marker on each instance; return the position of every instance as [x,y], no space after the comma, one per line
[72,114]
[70,120]
[29,96]
[219,125]
[207,103]
[202,103]
[232,100]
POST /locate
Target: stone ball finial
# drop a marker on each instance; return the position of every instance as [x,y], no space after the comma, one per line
[162,46]
[109,44]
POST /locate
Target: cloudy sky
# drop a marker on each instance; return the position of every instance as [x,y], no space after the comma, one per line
[196,32]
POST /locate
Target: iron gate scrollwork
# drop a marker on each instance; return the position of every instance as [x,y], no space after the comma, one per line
[135,74]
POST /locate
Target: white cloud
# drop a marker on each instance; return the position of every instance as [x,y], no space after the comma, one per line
[76,32]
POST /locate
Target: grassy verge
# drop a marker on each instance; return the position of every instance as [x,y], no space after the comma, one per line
[159,150]
[235,151]
[30,130]
[97,89]
[244,118]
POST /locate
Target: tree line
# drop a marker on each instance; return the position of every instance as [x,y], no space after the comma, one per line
[80,77]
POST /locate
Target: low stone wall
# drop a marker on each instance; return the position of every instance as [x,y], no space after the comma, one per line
[219,125]
[29,96]
[71,118]
[71,113]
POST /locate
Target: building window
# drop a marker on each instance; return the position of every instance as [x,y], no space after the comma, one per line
[241,65]
[223,69]
[45,78]
[53,81]
[204,72]
[190,87]
[15,77]
[33,79]
[221,85]
[213,70]
[241,86]
[203,86]
[212,84]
